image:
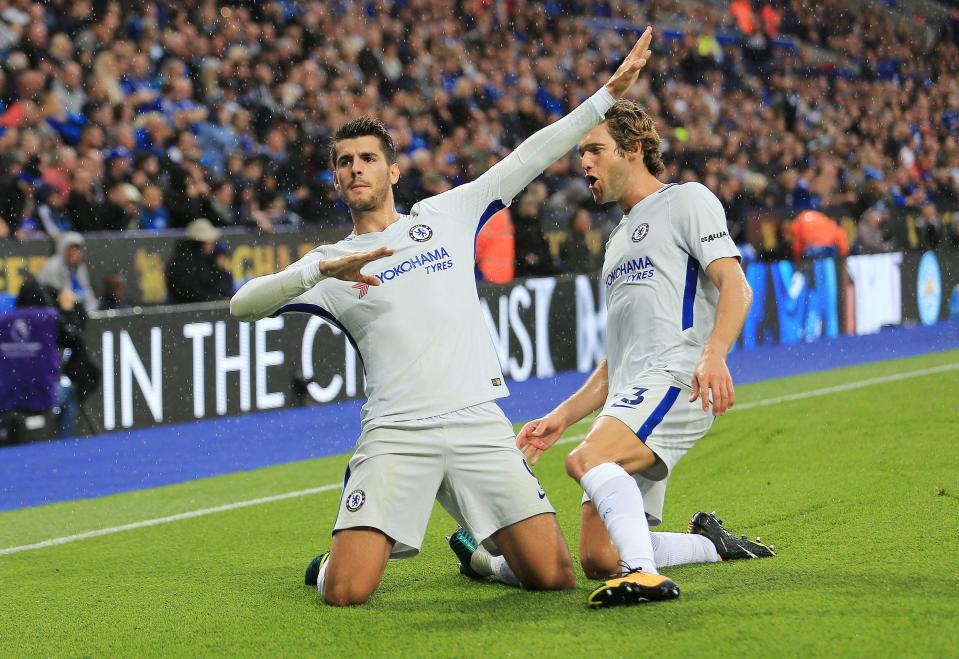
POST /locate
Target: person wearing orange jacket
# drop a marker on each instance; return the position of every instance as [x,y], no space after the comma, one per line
[495,249]
[814,233]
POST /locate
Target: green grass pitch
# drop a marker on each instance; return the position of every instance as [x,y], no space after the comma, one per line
[858,490]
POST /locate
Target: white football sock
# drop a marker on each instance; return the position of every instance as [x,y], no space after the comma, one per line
[322,576]
[682,549]
[502,571]
[488,565]
[620,503]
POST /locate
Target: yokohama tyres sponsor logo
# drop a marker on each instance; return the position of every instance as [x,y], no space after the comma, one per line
[426,258]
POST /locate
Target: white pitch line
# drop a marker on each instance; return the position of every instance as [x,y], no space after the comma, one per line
[566,440]
[171,518]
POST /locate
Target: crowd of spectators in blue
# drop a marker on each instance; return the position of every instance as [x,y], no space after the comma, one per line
[148,115]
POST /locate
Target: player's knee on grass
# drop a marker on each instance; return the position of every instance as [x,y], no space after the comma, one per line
[341,592]
[555,575]
[535,550]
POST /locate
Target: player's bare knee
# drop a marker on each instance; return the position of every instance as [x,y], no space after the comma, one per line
[345,594]
[578,462]
[558,577]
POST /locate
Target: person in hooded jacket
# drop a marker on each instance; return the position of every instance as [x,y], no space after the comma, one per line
[66,270]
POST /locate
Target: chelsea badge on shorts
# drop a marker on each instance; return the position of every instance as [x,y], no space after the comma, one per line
[356,500]
[421,233]
[640,232]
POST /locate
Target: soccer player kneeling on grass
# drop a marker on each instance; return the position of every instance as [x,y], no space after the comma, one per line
[676,300]
[430,429]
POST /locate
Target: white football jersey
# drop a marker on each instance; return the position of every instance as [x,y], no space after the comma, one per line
[421,333]
[661,306]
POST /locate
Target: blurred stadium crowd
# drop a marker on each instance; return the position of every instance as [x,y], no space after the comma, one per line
[149,115]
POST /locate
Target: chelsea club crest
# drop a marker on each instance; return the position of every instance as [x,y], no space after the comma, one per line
[640,232]
[421,233]
[356,500]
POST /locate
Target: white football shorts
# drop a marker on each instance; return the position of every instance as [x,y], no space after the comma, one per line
[657,409]
[466,460]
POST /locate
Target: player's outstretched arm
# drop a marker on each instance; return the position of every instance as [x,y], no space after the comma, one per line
[628,72]
[540,434]
[711,379]
[261,296]
[531,158]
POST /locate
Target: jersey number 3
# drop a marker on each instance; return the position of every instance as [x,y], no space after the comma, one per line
[634,400]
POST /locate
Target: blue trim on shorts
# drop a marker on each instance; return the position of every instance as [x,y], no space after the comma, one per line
[689,295]
[658,414]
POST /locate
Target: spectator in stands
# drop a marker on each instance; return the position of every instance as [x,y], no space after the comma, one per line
[194,272]
[871,232]
[114,293]
[153,214]
[83,207]
[574,253]
[533,258]
[495,249]
[120,211]
[815,235]
[929,227]
[174,95]
[954,230]
[222,211]
[66,271]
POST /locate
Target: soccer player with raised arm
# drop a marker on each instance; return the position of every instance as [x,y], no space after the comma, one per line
[676,300]
[402,288]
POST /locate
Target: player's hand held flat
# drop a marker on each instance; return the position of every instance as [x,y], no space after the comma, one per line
[712,381]
[348,268]
[628,71]
[538,435]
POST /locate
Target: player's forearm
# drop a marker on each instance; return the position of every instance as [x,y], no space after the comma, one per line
[588,398]
[735,297]
[549,144]
[260,297]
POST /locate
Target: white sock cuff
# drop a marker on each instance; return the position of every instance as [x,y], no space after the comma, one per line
[601,474]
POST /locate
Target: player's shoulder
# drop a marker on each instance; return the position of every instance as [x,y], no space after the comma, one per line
[466,196]
[693,192]
[693,200]
[341,247]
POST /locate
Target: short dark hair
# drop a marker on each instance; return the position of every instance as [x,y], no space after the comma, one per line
[368,125]
[632,128]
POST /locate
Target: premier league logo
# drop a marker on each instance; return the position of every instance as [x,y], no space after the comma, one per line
[421,233]
[356,500]
[640,232]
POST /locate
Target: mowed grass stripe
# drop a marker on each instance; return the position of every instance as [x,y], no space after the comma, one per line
[869,382]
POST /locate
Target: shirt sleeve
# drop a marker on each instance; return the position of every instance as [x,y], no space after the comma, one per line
[477,201]
[262,296]
[702,228]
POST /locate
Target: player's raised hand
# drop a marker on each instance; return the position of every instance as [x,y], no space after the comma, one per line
[712,381]
[348,267]
[538,435]
[628,71]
